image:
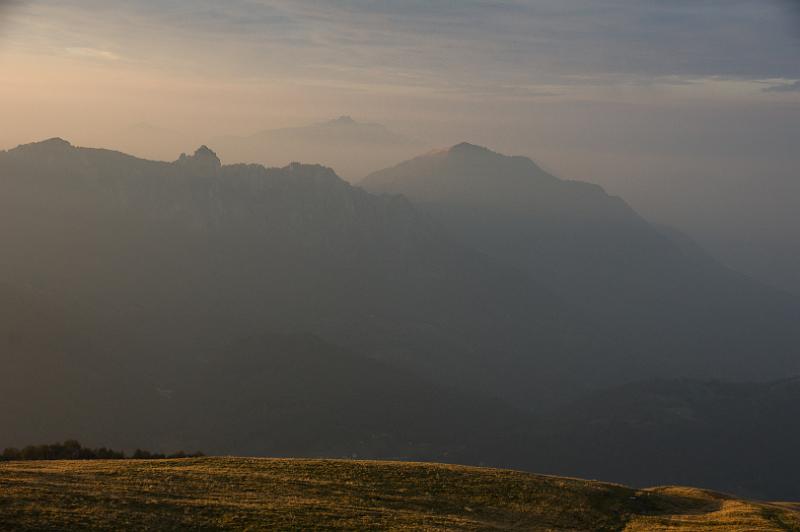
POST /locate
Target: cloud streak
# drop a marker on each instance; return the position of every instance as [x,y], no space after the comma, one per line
[784,87]
[93,53]
[508,43]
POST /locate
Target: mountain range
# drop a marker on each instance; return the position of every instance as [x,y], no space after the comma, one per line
[456,308]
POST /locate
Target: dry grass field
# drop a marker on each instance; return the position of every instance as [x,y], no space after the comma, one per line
[266,494]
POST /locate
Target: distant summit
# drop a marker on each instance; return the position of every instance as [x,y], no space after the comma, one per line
[465,173]
[55,144]
[476,154]
[349,146]
[203,157]
[466,147]
[343,120]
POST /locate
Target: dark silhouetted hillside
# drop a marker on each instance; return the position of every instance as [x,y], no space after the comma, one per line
[169,259]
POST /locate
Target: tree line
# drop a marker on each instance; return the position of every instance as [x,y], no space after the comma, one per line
[73,450]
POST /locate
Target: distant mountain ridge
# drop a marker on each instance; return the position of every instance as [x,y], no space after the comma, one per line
[510,208]
[346,128]
[352,148]
[666,304]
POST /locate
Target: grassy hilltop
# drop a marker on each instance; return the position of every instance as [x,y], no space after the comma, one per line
[267,494]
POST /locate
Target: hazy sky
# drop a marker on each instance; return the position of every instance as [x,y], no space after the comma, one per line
[643,96]
[441,67]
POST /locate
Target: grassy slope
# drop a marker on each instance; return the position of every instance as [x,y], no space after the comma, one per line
[244,493]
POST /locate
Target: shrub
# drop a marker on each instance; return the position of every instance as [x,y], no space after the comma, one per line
[73,450]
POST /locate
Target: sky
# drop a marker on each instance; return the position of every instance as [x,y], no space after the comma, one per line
[425,66]
[688,108]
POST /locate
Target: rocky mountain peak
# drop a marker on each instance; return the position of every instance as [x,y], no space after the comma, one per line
[467,148]
[343,120]
[203,157]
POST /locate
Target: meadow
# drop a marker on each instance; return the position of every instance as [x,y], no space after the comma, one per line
[284,494]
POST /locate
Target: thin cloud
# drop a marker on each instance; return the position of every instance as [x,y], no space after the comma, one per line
[784,87]
[93,53]
[518,43]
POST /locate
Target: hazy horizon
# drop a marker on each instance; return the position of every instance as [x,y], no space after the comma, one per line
[689,111]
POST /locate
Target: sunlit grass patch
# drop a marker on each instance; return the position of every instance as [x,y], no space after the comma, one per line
[265,494]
